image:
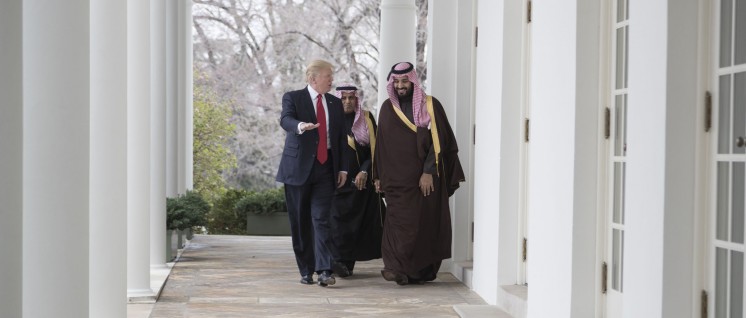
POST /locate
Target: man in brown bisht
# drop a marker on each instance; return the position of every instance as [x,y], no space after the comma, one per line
[417,168]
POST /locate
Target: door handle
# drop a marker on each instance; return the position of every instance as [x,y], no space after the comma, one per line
[741,142]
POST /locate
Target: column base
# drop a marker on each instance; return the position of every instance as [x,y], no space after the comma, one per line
[158,277]
[141,296]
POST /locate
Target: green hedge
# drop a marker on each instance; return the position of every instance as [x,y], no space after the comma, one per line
[228,214]
[265,202]
[186,211]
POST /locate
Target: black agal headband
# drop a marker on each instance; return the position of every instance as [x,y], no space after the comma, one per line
[400,72]
[346,88]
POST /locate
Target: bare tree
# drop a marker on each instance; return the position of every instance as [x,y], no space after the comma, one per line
[255,50]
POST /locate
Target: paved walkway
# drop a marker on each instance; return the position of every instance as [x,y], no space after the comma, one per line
[255,276]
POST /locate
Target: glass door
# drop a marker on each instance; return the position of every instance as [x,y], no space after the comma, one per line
[616,159]
[728,169]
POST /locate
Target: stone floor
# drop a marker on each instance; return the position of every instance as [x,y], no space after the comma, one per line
[253,276]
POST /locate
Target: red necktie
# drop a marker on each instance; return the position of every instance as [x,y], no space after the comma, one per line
[321,153]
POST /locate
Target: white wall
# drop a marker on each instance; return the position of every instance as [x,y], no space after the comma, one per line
[11,159]
[552,158]
[487,157]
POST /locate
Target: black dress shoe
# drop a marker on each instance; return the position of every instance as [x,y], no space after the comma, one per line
[341,269]
[307,280]
[326,278]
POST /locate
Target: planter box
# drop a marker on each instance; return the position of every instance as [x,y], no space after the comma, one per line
[268,224]
[171,242]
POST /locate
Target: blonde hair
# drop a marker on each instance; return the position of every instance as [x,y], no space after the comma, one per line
[313,69]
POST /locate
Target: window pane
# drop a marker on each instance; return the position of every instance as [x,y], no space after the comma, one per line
[616,261]
[618,192]
[626,9]
[721,282]
[624,128]
[722,203]
[736,284]
[626,53]
[724,115]
[737,202]
[739,108]
[740,38]
[620,16]
[726,15]
[619,59]
[621,263]
[618,125]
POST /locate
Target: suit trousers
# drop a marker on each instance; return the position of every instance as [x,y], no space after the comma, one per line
[309,207]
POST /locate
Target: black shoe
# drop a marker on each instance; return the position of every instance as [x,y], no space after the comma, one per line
[341,269]
[307,280]
[399,278]
[326,278]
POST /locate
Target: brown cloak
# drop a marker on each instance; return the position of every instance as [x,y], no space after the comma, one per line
[417,229]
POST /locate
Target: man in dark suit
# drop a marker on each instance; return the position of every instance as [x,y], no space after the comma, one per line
[311,166]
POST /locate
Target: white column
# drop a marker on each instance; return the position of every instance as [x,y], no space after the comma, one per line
[397,43]
[172,76]
[158,134]
[451,52]
[11,157]
[646,167]
[138,148]
[665,150]
[185,97]
[56,118]
[563,161]
[497,148]
[108,201]
[586,282]
[550,192]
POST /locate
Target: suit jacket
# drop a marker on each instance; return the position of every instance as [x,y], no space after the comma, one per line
[300,149]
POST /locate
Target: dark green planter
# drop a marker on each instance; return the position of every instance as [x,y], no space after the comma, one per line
[276,223]
[171,248]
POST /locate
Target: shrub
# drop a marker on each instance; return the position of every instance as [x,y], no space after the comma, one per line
[264,202]
[186,211]
[223,218]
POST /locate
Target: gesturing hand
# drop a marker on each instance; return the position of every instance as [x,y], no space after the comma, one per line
[308,126]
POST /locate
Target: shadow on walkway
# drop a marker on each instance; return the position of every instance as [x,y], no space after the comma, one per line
[256,276]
